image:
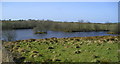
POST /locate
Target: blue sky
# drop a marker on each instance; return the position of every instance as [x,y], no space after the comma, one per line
[60,0]
[61,11]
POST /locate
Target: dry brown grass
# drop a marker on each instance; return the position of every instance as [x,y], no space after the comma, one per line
[5,56]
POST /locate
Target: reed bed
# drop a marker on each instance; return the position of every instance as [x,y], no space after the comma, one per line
[45,25]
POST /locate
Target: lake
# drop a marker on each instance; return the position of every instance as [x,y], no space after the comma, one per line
[23,34]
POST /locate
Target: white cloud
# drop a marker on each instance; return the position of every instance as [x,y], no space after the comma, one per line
[60,0]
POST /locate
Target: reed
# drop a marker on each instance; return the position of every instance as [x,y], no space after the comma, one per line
[45,25]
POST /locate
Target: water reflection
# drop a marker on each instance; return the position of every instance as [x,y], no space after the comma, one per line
[22,34]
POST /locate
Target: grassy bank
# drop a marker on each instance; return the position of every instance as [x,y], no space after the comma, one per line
[75,49]
[44,25]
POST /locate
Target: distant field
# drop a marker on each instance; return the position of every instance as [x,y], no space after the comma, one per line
[75,49]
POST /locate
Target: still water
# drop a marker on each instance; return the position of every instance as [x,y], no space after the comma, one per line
[23,34]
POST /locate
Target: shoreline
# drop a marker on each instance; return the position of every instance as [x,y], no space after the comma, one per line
[90,37]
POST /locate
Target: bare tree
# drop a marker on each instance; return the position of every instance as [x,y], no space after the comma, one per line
[81,21]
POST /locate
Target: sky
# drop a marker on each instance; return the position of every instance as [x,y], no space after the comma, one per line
[99,12]
[60,0]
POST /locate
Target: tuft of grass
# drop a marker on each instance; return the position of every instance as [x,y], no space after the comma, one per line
[74,49]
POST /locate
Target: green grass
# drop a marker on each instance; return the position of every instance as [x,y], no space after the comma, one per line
[76,49]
